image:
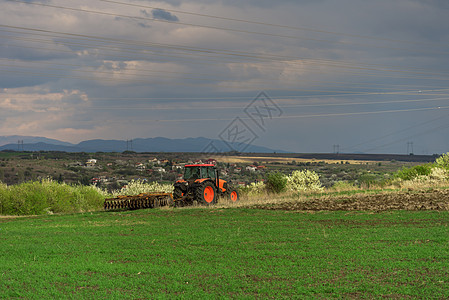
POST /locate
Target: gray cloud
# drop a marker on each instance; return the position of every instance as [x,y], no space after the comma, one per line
[118,77]
[164,15]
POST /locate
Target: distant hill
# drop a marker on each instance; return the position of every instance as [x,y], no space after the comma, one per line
[158,144]
[13,139]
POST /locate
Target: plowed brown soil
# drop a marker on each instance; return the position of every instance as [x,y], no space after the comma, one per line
[410,200]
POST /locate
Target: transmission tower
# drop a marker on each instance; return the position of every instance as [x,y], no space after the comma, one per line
[336,149]
[129,145]
[410,148]
[20,145]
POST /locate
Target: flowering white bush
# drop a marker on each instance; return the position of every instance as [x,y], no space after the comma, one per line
[439,174]
[254,189]
[136,187]
[304,181]
[442,161]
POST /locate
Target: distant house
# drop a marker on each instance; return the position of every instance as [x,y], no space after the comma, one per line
[211,161]
[95,180]
[154,161]
[251,168]
[91,162]
[140,167]
[159,169]
[237,170]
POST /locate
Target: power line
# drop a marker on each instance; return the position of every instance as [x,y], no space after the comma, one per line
[358,74]
[396,132]
[207,107]
[143,72]
[203,51]
[228,86]
[270,24]
[290,60]
[432,130]
[339,71]
[214,27]
[298,116]
[247,55]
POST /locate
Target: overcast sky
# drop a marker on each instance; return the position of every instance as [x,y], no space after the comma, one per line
[346,75]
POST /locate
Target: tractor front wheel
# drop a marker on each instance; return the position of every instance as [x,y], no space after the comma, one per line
[206,193]
[233,195]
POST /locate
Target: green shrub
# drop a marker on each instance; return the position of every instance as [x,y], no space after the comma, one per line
[304,181]
[369,179]
[276,182]
[414,172]
[343,186]
[48,196]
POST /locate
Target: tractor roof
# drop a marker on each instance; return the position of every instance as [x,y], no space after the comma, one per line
[200,165]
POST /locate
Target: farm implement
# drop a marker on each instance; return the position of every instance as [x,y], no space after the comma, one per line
[200,185]
[144,200]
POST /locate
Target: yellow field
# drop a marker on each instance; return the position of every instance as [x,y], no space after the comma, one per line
[284,160]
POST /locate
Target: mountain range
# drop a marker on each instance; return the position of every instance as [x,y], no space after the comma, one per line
[158,144]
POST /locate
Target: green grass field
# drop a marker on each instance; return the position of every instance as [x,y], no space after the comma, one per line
[225,253]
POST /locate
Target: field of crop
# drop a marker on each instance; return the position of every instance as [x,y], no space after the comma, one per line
[226,253]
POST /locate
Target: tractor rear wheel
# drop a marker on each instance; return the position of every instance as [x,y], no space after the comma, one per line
[233,195]
[206,194]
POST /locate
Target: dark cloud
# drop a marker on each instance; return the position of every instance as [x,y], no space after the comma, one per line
[164,15]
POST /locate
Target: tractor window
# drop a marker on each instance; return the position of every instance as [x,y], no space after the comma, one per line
[211,172]
[191,173]
[204,173]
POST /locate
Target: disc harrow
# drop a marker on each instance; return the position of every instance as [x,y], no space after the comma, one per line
[144,200]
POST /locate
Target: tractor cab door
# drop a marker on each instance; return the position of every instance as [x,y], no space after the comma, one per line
[208,172]
[192,173]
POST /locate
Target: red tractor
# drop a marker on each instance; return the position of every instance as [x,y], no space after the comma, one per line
[201,183]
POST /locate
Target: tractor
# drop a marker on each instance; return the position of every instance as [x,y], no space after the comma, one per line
[201,184]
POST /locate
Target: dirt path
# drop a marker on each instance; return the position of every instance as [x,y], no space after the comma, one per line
[411,200]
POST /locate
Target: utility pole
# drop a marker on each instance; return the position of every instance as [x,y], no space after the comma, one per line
[20,145]
[129,145]
[336,149]
[410,148]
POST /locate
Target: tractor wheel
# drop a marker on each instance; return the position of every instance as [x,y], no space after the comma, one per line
[206,194]
[233,195]
[177,193]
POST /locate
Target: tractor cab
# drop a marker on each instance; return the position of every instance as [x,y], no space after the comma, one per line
[203,171]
